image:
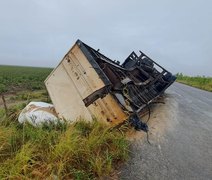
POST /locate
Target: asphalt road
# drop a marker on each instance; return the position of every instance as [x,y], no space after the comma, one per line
[180,136]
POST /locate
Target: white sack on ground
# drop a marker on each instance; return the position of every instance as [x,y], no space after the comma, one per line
[37,113]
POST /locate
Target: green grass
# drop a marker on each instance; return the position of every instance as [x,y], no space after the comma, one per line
[80,151]
[13,78]
[200,82]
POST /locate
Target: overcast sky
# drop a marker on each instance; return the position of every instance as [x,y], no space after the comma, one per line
[175,33]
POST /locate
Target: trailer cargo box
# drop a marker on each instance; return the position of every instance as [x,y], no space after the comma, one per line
[86,85]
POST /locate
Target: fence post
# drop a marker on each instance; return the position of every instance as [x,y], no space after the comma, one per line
[5,105]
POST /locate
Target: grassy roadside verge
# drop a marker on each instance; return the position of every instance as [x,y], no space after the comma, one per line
[84,150]
[200,82]
[78,151]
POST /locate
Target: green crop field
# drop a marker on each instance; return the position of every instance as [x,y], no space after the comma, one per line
[62,151]
[200,82]
[15,78]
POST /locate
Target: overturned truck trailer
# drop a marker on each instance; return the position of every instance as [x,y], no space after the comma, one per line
[87,84]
